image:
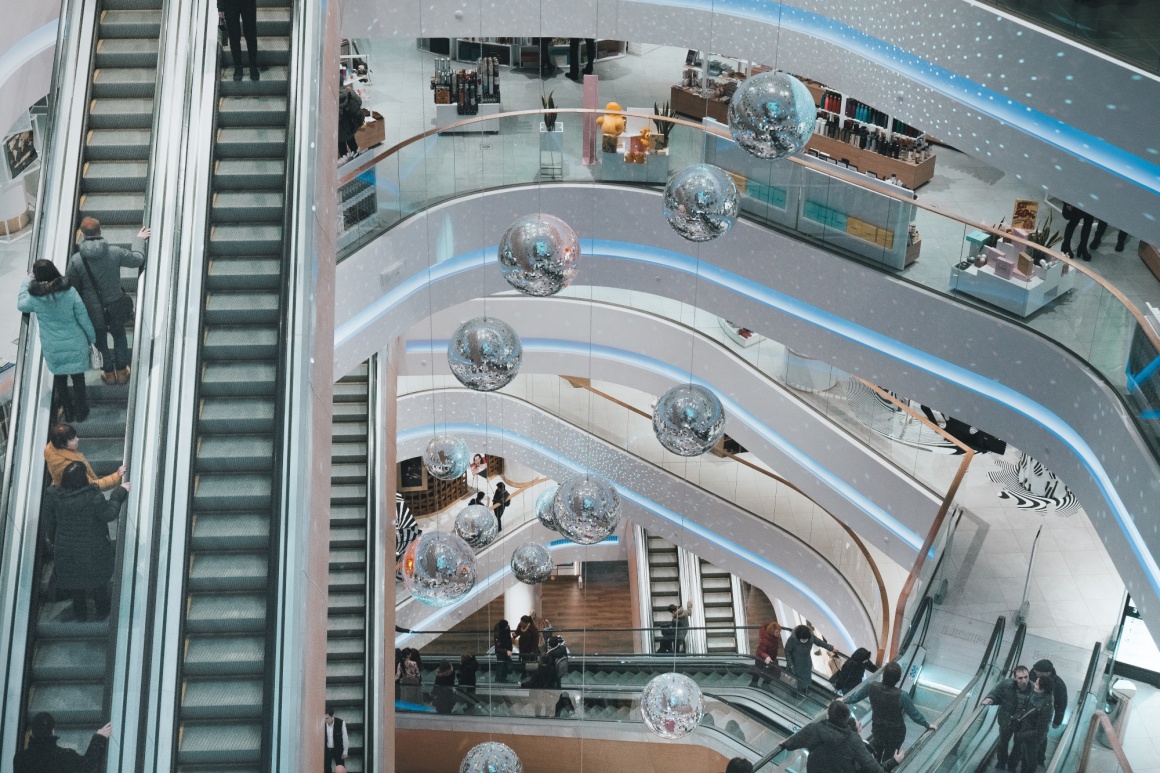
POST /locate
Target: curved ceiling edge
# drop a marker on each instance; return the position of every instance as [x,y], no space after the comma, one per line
[844,615]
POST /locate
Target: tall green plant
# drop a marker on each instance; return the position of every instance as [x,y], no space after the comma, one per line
[664,127]
[549,104]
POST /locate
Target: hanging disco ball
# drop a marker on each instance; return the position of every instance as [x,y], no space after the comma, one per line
[538,254]
[485,354]
[587,509]
[688,420]
[438,568]
[545,511]
[476,525]
[446,457]
[701,202]
[531,563]
[772,115]
[491,757]
[672,705]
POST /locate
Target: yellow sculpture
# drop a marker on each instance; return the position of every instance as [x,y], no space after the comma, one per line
[611,127]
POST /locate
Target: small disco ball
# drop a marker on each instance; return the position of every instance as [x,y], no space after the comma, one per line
[491,757]
[476,525]
[688,420]
[587,509]
[701,202]
[538,254]
[531,563]
[438,568]
[672,705]
[485,354]
[545,511]
[772,115]
[446,457]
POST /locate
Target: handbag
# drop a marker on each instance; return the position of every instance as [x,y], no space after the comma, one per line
[119,311]
[96,360]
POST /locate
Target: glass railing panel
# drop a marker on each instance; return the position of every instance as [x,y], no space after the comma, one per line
[1127,30]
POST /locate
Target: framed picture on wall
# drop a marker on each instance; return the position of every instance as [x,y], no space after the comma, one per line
[19,152]
[412,475]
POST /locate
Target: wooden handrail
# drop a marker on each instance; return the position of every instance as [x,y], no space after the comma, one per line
[818,166]
[1100,718]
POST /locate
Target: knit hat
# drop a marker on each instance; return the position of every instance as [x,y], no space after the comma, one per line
[42,725]
[1044,667]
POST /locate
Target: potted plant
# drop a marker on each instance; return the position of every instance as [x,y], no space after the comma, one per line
[551,140]
[1044,237]
[664,128]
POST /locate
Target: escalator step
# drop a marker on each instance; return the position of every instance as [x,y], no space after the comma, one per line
[227,743]
[249,174]
[130,24]
[240,343]
[345,671]
[114,177]
[227,572]
[230,531]
[345,692]
[224,655]
[275,81]
[345,625]
[131,5]
[124,83]
[247,207]
[48,626]
[257,142]
[252,111]
[117,144]
[244,273]
[73,660]
[233,698]
[346,603]
[248,240]
[349,429]
[106,419]
[347,580]
[352,455]
[253,308]
[225,613]
[133,52]
[113,208]
[239,379]
[271,51]
[234,453]
[350,412]
[353,515]
[215,491]
[69,703]
[345,647]
[121,235]
[243,414]
[350,473]
[350,392]
[348,558]
[347,536]
[349,494]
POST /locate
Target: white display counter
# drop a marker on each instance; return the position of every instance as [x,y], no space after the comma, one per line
[1015,295]
[446,115]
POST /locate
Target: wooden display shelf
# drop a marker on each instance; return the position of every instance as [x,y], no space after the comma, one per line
[1151,257]
[689,103]
[911,175]
[441,494]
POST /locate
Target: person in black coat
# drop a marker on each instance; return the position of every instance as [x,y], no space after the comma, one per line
[241,17]
[850,674]
[1058,697]
[443,693]
[76,517]
[350,119]
[42,753]
[499,502]
[468,668]
[503,650]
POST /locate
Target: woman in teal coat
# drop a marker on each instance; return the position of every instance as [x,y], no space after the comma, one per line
[65,334]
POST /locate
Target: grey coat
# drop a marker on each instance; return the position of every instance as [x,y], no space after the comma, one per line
[106,261]
[75,522]
[797,658]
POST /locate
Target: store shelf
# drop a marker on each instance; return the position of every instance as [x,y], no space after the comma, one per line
[909,174]
[687,102]
[446,115]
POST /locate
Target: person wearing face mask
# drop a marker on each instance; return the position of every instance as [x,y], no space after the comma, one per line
[797,655]
[1011,696]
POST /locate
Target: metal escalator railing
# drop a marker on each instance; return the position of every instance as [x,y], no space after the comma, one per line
[1088,701]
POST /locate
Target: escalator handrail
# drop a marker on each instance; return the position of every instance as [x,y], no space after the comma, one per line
[1086,692]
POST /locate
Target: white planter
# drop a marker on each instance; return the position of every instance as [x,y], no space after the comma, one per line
[552,151]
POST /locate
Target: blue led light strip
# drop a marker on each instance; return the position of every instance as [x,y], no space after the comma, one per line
[507,436]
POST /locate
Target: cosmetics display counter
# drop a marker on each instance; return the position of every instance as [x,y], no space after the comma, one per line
[1005,277]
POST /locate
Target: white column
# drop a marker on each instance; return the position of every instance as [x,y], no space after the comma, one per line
[520,600]
[518,473]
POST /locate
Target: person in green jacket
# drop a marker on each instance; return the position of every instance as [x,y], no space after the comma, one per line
[835,746]
[797,655]
[65,335]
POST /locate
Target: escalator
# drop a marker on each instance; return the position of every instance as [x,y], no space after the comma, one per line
[724,610]
[224,668]
[346,637]
[68,667]
[664,576]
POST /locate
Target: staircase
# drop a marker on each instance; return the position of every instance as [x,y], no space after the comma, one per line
[719,603]
[222,717]
[346,638]
[69,667]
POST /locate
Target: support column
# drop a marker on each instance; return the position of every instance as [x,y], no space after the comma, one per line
[520,600]
[517,473]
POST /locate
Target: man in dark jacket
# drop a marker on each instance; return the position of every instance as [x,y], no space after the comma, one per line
[95,271]
[1011,696]
[1033,724]
[43,754]
[797,655]
[1058,697]
[835,747]
[888,703]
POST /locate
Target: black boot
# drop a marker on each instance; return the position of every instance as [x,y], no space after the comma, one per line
[80,398]
[238,73]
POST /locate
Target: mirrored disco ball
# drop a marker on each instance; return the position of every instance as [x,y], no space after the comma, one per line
[485,354]
[438,568]
[772,115]
[538,254]
[531,563]
[446,457]
[476,525]
[587,509]
[701,202]
[672,705]
[688,420]
[491,757]
[545,510]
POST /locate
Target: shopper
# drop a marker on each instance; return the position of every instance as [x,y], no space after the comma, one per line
[499,503]
[42,753]
[681,616]
[95,271]
[547,66]
[1011,696]
[241,17]
[63,449]
[76,519]
[65,335]
[410,676]
[574,57]
[443,691]
[888,703]
[1058,696]
[502,640]
[1101,229]
[337,745]
[797,655]
[769,648]
[739,765]
[852,671]
[1074,216]
[834,745]
[529,640]
[350,119]
[545,686]
[468,670]
[1033,724]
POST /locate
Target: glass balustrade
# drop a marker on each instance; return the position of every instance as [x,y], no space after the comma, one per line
[806,197]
